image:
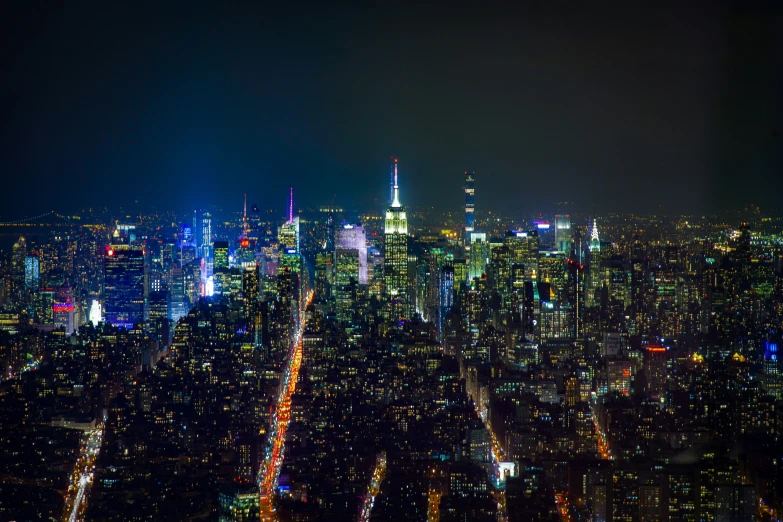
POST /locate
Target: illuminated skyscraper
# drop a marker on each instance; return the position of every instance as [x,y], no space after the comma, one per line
[288,232]
[396,255]
[124,286]
[595,278]
[595,242]
[64,310]
[352,237]
[563,235]
[31,272]
[470,207]
[479,254]
[220,253]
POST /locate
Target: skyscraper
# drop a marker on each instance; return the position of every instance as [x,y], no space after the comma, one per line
[595,277]
[220,252]
[288,232]
[470,204]
[31,272]
[595,242]
[351,237]
[563,236]
[64,310]
[396,255]
[124,286]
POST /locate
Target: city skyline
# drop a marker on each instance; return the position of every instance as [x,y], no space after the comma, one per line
[433,263]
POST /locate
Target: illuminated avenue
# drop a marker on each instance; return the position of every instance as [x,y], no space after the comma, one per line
[281,416]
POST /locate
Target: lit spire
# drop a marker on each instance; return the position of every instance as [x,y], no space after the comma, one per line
[396,201]
[243,240]
[291,206]
[595,242]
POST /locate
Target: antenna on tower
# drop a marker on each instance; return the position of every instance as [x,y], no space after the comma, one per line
[244,218]
[395,187]
[291,206]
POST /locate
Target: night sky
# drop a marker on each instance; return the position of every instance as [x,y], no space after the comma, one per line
[183,105]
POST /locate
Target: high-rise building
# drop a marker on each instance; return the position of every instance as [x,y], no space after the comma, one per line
[64,310]
[396,255]
[470,207]
[31,272]
[350,267]
[595,241]
[177,307]
[346,278]
[595,278]
[17,275]
[220,254]
[478,256]
[124,286]
[352,237]
[563,235]
[288,232]
[523,249]
[238,503]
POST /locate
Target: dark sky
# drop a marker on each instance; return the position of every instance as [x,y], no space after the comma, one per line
[178,105]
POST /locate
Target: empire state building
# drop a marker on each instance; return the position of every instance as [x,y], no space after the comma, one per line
[396,255]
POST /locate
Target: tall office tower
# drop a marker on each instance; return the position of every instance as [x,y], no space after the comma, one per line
[187,245]
[771,378]
[470,207]
[594,276]
[284,312]
[64,310]
[445,294]
[396,255]
[17,275]
[43,300]
[478,256]
[220,255]
[595,242]
[350,267]
[158,316]
[324,269]
[330,232]
[524,248]
[31,272]
[206,254]
[196,230]
[288,232]
[192,274]
[552,269]
[123,286]
[178,307]
[563,237]
[251,291]
[352,237]
[206,231]
[346,278]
